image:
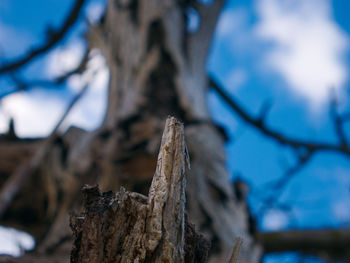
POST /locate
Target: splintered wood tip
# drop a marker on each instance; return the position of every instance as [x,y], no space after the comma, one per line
[236,249]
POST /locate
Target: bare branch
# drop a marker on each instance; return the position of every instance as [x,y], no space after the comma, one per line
[27,84]
[15,182]
[310,146]
[329,244]
[278,186]
[53,39]
[338,121]
[209,14]
[291,171]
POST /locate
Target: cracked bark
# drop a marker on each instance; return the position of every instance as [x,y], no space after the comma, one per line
[130,227]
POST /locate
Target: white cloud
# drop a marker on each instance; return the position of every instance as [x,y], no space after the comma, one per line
[96,64]
[275,220]
[90,110]
[4,120]
[35,112]
[13,242]
[308,46]
[65,58]
[95,11]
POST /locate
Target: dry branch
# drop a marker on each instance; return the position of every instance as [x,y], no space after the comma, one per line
[329,244]
[20,175]
[53,39]
[260,125]
[25,84]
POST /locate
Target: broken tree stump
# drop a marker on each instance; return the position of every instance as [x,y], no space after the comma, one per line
[130,227]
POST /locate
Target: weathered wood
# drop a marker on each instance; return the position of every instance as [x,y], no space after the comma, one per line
[13,153]
[129,227]
[158,68]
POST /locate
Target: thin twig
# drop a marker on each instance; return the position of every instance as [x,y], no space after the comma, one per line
[311,146]
[53,39]
[278,186]
[329,244]
[27,84]
[338,121]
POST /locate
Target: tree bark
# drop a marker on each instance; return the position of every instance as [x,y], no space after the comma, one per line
[157,68]
[130,227]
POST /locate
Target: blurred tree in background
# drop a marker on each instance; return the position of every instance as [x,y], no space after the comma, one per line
[156,53]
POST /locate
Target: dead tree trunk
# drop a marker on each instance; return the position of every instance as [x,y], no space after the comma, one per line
[130,227]
[157,68]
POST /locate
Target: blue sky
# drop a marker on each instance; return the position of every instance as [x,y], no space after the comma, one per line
[287,52]
[27,107]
